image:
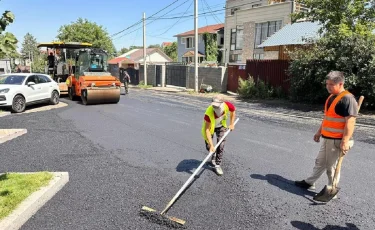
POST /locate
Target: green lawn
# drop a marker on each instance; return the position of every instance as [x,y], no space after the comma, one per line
[14,188]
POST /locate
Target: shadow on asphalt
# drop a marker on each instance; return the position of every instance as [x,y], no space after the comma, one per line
[190,165]
[284,184]
[306,226]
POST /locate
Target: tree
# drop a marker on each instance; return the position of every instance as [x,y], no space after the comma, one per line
[211,50]
[8,42]
[122,51]
[347,44]
[154,46]
[171,51]
[341,17]
[85,31]
[30,46]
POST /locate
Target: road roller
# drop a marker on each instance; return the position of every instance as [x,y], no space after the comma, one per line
[59,60]
[91,81]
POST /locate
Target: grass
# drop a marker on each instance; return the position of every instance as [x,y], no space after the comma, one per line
[14,188]
[143,86]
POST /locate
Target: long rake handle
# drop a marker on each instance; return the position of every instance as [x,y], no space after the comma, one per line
[338,167]
[195,172]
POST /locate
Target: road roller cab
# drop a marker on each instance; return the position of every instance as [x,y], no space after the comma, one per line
[91,80]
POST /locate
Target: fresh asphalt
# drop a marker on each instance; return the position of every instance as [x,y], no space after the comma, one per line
[143,149]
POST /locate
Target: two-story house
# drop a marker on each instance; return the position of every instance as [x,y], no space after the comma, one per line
[185,42]
[250,22]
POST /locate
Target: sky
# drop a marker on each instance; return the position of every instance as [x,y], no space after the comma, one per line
[43,18]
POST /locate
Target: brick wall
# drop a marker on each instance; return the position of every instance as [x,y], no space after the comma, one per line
[217,77]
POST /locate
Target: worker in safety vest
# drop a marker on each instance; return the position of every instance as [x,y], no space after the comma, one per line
[215,122]
[340,112]
[126,81]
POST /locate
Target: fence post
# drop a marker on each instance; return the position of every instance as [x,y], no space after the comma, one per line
[163,68]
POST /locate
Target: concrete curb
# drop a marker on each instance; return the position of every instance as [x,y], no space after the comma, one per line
[34,202]
[9,134]
[3,114]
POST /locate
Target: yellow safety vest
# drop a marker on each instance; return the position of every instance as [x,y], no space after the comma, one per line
[210,112]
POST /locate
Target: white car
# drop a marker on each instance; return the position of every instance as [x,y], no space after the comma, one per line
[17,90]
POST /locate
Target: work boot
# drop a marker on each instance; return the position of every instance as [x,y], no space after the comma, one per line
[304,184]
[218,170]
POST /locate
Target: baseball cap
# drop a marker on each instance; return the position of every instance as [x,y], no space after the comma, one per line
[217,100]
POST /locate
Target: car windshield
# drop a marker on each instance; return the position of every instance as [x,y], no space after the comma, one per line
[11,79]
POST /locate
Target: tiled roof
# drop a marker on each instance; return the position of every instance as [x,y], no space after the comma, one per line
[166,43]
[209,29]
[191,54]
[293,34]
[119,60]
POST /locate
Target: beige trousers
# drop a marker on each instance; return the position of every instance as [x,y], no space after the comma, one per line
[326,161]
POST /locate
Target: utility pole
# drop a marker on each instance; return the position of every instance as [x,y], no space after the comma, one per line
[196,44]
[144,49]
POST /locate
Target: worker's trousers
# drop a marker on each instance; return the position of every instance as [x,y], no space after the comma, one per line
[326,161]
[126,86]
[220,131]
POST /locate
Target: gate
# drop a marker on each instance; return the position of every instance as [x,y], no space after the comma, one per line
[158,75]
[176,74]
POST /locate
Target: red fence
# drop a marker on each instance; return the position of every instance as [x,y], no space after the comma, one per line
[272,72]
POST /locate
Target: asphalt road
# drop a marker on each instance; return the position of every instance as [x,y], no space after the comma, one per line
[142,150]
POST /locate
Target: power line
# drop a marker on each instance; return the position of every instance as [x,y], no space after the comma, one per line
[202,9]
[140,21]
[215,17]
[177,20]
[153,20]
[191,15]
[205,15]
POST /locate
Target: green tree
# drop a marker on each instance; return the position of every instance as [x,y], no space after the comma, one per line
[340,17]
[347,44]
[29,46]
[122,51]
[85,31]
[8,42]
[171,51]
[154,46]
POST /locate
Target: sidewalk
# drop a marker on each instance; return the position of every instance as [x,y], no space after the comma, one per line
[280,107]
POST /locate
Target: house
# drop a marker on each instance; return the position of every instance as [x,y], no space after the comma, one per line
[165,44]
[185,42]
[250,22]
[291,36]
[153,56]
[5,66]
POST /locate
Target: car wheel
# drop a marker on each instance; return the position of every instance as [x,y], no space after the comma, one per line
[19,104]
[55,98]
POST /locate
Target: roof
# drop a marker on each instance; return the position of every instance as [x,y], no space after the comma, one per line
[191,54]
[119,60]
[166,43]
[293,34]
[209,29]
[137,54]
[69,45]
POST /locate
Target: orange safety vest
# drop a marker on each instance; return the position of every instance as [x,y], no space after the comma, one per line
[333,124]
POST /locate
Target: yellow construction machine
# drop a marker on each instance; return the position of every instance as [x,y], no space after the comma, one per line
[87,77]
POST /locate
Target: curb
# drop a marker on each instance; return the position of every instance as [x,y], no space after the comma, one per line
[34,202]
[3,114]
[9,134]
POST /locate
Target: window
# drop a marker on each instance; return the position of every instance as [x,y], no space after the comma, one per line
[236,39]
[183,40]
[235,58]
[222,41]
[189,42]
[32,79]
[43,79]
[2,70]
[264,30]
[258,56]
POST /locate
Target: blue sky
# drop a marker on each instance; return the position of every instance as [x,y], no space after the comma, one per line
[43,18]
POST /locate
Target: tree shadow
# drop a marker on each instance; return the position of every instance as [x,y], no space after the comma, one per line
[3,176]
[306,226]
[190,165]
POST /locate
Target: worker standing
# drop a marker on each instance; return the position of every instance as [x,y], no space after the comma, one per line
[215,122]
[126,81]
[340,112]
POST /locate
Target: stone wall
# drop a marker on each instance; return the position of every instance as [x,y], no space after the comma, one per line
[217,77]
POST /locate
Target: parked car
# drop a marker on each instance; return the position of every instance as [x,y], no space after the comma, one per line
[18,90]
